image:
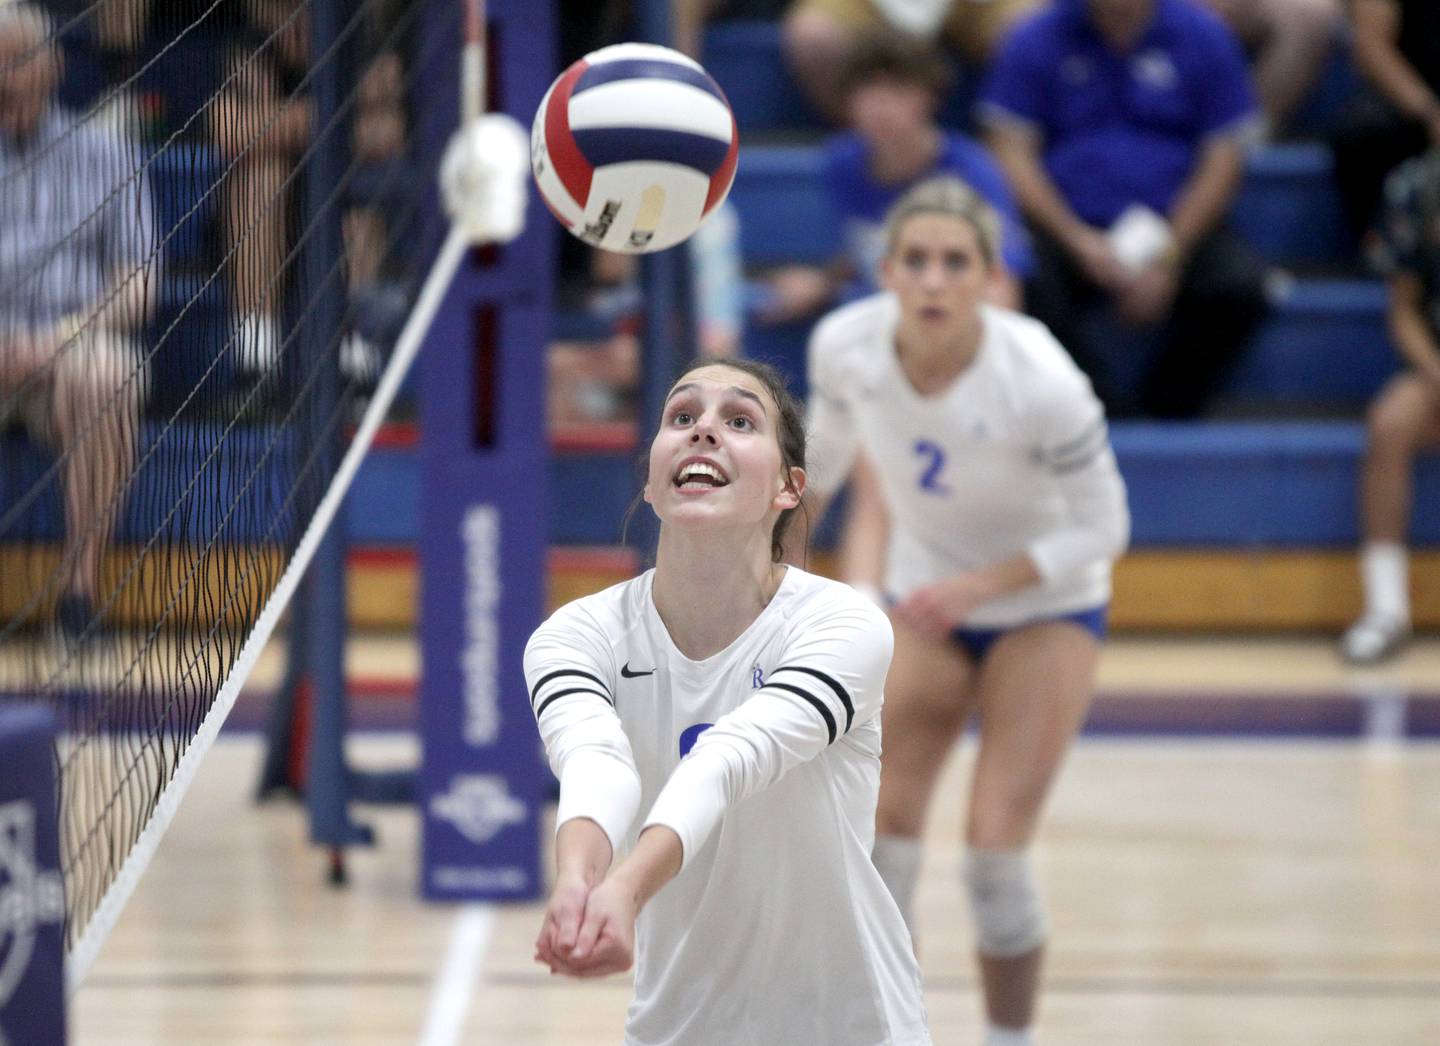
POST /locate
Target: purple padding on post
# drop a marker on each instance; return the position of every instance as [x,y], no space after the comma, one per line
[32,899]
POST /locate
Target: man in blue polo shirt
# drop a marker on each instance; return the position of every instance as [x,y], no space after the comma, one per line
[1122,125]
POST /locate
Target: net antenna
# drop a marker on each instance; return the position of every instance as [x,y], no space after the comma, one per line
[483,174]
[483,178]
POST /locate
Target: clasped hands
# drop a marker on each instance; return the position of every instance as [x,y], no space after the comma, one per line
[588,931]
[1143,296]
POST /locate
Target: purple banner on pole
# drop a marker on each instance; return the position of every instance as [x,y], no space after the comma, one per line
[32,896]
[483,519]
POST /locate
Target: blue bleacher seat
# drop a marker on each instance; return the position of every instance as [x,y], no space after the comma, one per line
[183,181]
[785,213]
[1289,484]
[1289,209]
[746,61]
[191,326]
[210,469]
[1327,345]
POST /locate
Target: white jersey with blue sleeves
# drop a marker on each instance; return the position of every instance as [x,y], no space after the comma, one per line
[1013,457]
[765,761]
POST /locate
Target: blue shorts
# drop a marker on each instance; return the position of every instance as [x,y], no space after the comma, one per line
[977,641]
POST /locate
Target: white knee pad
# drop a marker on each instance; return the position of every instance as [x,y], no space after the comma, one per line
[1005,902]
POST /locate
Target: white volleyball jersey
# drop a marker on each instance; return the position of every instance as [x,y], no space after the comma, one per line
[765,761]
[1013,457]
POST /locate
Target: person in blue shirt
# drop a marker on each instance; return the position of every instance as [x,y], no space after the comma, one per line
[893,85]
[1122,125]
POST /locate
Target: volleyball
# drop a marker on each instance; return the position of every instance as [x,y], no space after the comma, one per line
[633,147]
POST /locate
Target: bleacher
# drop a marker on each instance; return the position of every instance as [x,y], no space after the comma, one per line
[1273,473]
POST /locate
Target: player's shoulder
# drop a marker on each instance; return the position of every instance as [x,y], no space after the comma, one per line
[1032,354]
[811,598]
[610,613]
[853,330]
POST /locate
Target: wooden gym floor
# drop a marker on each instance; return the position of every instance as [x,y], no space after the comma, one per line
[1244,850]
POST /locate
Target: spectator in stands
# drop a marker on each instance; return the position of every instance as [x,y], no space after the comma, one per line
[819,34]
[1396,115]
[892,86]
[1405,418]
[130,34]
[77,273]
[263,123]
[1288,43]
[1122,125]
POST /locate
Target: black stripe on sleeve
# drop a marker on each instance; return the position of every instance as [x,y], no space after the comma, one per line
[814,701]
[535,690]
[563,693]
[832,683]
[1077,465]
[1080,442]
[1082,456]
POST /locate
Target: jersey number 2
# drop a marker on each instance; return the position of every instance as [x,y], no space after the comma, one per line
[934,456]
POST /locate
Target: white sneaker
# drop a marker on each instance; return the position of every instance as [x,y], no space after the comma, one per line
[257,343]
[360,360]
[1373,639]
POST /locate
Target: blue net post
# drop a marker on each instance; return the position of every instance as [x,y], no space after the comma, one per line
[484,460]
[327,785]
[280,774]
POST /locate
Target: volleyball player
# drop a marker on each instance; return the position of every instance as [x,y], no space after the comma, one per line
[733,702]
[994,480]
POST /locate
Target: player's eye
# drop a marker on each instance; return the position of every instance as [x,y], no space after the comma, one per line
[914,261]
[957,261]
[681,417]
[742,422]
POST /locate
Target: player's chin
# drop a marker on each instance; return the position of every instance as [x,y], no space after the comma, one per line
[707,501]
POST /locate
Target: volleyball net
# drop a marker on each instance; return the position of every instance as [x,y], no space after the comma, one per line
[216,220]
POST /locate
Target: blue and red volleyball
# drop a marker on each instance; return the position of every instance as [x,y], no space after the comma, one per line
[633,147]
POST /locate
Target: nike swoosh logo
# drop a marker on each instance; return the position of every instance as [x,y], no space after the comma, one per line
[625,671]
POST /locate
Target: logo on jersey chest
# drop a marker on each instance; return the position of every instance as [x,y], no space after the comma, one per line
[691,734]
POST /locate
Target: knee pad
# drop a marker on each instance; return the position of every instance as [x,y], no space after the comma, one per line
[1005,902]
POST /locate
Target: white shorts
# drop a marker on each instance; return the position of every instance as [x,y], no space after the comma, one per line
[114,361]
